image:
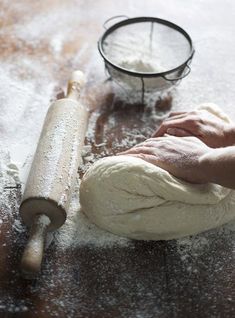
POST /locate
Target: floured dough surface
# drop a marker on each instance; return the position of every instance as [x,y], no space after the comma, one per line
[131,197]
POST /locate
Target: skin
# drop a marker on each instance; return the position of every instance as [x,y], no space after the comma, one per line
[210,129]
[203,154]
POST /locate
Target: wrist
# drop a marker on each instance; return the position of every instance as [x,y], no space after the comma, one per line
[209,163]
[219,166]
[229,135]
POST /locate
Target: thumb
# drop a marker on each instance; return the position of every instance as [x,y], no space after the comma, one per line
[178,132]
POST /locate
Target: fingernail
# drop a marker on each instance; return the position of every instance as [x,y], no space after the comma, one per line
[170,131]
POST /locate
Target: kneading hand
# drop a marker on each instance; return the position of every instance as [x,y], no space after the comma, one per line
[182,157]
[212,130]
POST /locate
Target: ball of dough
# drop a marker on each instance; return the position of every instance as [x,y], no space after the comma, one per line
[130,197]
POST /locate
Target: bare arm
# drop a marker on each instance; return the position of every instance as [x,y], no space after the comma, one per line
[219,165]
[189,159]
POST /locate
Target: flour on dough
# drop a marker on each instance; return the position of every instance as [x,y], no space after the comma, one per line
[133,198]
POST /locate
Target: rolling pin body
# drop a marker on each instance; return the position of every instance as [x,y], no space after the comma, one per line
[54,168]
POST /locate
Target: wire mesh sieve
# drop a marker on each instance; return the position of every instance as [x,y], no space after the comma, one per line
[146,54]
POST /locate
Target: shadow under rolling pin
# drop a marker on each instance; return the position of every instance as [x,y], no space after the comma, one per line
[53,172]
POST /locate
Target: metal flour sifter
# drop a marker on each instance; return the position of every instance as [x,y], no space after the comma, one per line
[146,54]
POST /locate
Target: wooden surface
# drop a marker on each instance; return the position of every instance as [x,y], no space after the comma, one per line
[144,279]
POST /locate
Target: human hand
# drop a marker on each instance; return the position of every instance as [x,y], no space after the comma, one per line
[209,128]
[182,157]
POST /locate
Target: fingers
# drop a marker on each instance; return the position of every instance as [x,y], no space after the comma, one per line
[178,132]
[148,158]
[181,120]
[153,159]
[145,146]
[137,150]
[174,123]
[173,117]
[172,114]
[151,145]
[157,147]
[151,142]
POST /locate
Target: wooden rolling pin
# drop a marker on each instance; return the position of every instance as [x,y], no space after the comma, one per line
[53,172]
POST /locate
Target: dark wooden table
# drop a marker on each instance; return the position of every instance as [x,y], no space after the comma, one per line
[143,279]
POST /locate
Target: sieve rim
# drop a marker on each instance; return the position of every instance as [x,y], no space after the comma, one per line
[145,19]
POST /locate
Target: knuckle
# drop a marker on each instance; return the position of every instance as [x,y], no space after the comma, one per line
[189,121]
[194,121]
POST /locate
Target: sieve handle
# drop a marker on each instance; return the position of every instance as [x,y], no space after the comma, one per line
[179,77]
[113,18]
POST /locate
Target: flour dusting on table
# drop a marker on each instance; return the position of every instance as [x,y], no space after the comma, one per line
[28,84]
[78,230]
[108,276]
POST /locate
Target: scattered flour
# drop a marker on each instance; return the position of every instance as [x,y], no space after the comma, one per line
[27,86]
[53,27]
[78,230]
[28,83]
[9,180]
[23,107]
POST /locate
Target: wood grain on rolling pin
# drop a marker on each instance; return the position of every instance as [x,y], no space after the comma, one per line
[53,172]
[54,167]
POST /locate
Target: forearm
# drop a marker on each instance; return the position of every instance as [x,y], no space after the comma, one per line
[219,166]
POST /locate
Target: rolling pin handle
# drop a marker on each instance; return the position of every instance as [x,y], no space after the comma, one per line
[75,85]
[33,253]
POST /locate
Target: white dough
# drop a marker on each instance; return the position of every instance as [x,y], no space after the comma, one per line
[130,197]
